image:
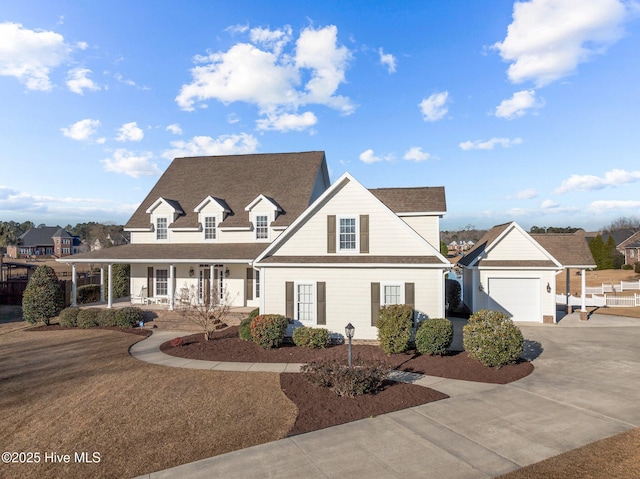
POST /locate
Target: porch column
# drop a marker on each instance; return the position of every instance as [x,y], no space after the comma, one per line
[568,291]
[102,283]
[73,285]
[212,286]
[583,305]
[110,279]
[170,288]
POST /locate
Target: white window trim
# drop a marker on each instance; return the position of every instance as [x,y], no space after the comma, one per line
[155,283]
[314,308]
[155,224]
[255,227]
[215,228]
[391,283]
[357,232]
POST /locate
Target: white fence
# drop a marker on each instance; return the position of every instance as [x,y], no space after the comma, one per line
[612,288]
[601,300]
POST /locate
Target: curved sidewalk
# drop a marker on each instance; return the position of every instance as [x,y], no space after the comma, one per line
[148,350]
[585,387]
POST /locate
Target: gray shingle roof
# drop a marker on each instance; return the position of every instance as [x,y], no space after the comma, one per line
[354,259]
[288,178]
[570,249]
[412,200]
[43,236]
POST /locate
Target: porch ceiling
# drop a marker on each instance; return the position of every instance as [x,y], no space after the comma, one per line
[172,253]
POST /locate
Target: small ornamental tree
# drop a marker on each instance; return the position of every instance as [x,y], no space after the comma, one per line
[209,313]
[42,299]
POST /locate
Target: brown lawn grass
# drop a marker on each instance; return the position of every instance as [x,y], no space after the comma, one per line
[594,278]
[74,391]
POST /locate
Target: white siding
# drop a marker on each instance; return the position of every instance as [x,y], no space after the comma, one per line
[348,293]
[426,226]
[387,234]
[516,246]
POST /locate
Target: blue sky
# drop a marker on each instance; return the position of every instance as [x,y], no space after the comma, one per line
[525,111]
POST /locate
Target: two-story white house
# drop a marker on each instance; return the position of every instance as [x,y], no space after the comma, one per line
[269,231]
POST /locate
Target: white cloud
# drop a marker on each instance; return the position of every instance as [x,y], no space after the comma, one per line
[548,204]
[548,39]
[287,121]
[434,108]
[131,164]
[416,154]
[81,130]
[207,146]
[490,144]
[606,206]
[516,212]
[30,55]
[518,104]
[271,78]
[369,157]
[616,177]
[78,81]
[388,60]
[130,132]
[526,194]
[174,128]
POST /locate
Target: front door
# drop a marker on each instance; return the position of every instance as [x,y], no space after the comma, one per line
[204,283]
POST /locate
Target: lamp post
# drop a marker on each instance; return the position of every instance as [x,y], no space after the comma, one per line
[349,330]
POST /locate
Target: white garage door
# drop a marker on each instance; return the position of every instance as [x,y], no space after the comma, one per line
[518,297]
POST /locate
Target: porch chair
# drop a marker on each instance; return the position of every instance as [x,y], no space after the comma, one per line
[141,298]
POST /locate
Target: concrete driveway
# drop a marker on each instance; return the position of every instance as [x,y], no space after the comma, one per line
[585,387]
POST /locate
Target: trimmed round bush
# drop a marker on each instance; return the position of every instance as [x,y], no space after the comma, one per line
[254,313]
[107,317]
[88,293]
[42,299]
[492,338]
[88,318]
[434,336]
[394,327]
[314,338]
[244,330]
[68,317]
[128,317]
[268,330]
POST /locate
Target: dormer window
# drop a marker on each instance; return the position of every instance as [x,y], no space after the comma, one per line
[262,227]
[209,227]
[161,228]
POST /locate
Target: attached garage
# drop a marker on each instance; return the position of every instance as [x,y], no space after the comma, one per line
[517,297]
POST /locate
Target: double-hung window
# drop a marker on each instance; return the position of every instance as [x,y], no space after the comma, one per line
[262,227]
[256,282]
[209,227]
[348,236]
[162,282]
[305,302]
[392,293]
[161,228]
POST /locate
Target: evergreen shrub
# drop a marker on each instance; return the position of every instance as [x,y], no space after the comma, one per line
[434,336]
[394,327]
[268,330]
[492,338]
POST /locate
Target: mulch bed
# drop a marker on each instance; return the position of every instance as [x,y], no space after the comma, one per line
[57,327]
[319,407]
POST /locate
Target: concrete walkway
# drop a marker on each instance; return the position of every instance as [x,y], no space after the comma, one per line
[584,388]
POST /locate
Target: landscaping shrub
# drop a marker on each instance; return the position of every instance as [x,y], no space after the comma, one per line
[177,342]
[107,317]
[363,378]
[89,293]
[254,313]
[68,317]
[244,330]
[311,337]
[42,299]
[394,327]
[128,317]
[627,267]
[434,336]
[268,330]
[636,267]
[452,293]
[492,338]
[88,318]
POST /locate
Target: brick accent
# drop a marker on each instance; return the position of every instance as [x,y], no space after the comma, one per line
[583,316]
[548,319]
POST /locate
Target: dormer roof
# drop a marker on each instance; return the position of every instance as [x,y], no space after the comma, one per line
[268,200]
[173,204]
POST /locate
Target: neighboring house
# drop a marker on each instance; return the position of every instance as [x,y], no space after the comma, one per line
[269,231]
[515,272]
[630,247]
[459,247]
[45,241]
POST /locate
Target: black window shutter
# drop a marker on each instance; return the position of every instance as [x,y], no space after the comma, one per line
[289,299]
[375,303]
[150,281]
[364,233]
[331,233]
[321,303]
